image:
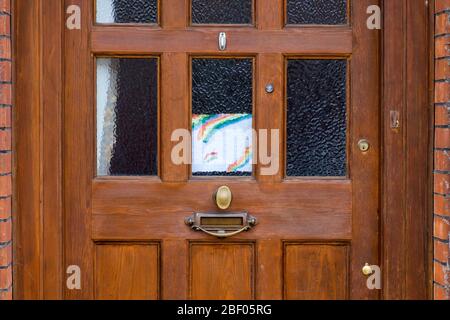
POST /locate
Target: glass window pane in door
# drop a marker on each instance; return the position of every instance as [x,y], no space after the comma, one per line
[127,11]
[316,118]
[222,11]
[127,116]
[222,104]
[322,12]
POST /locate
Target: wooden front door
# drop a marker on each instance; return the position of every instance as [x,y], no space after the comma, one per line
[140,73]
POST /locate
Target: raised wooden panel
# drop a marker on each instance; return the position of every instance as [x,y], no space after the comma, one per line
[222,271]
[127,271]
[316,271]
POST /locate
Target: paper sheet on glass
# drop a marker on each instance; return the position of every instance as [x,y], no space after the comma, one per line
[222,143]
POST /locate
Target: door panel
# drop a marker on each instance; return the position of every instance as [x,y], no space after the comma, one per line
[127,271]
[125,199]
[222,271]
[323,272]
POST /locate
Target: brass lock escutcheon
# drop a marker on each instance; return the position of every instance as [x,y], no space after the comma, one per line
[367,270]
[364,145]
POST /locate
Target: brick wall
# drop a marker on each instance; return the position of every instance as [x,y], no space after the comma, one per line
[5,151]
[442,152]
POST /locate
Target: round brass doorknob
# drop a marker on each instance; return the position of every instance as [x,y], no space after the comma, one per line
[223,198]
[367,270]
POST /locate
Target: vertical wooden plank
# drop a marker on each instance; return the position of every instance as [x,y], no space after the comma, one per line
[27,145]
[394,150]
[174,269]
[269,14]
[174,112]
[417,100]
[270,111]
[174,13]
[405,187]
[78,151]
[364,166]
[269,273]
[433,74]
[52,133]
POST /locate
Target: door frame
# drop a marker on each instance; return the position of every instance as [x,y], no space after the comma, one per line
[406,195]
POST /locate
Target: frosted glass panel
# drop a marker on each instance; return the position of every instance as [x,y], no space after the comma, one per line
[222,11]
[317,118]
[325,12]
[127,104]
[222,103]
[127,11]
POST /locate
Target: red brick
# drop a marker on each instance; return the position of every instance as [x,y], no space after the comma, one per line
[5,231]
[5,186]
[5,71]
[6,295]
[442,69]
[5,5]
[442,138]
[441,5]
[440,273]
[5,117]
[5,140]
[442,48]
[440,293]
[442,115]
[5,25]
[441,228]
[5,278]
[5,94]
[5,256]
[5,48]
[441,251]
[442,183]
[5,163]
[442,160]
[442,24]
[5,208]
[442,205]
[442,92]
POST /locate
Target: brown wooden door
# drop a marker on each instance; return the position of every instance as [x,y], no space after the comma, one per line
[135,74]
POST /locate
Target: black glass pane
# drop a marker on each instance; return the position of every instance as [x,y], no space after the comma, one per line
[222,11]
[222,86]
[127,119]
[317,120]
[317,12]
[127,11]
[222,103]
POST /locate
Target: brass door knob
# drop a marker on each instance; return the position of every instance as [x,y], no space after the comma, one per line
[367,270]
[223,198]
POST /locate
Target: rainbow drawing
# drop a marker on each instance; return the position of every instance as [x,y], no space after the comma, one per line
[211,156]
[241,162]
[210,124]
